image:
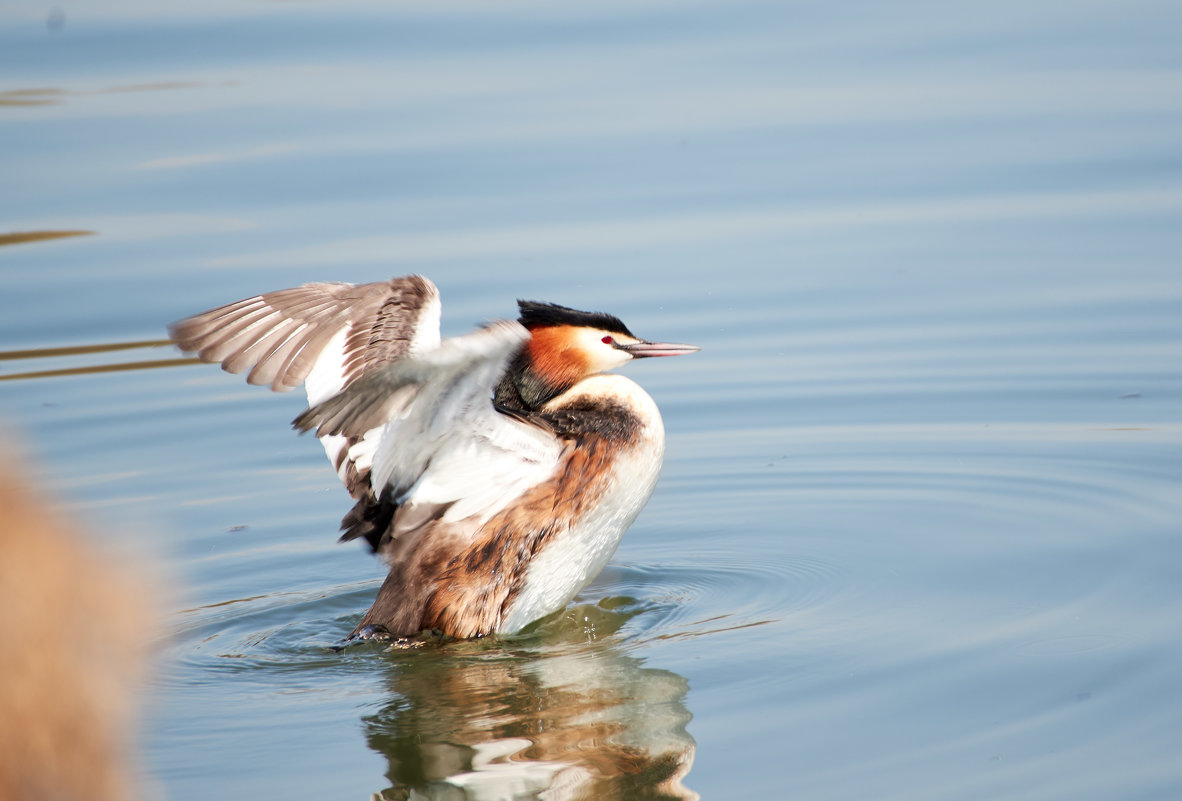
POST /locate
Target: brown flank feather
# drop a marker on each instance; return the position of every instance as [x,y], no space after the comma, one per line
[462,585]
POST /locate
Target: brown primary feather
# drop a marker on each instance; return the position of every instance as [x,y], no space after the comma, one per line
[277,340]
[393,329]
[231,333]
[280,335]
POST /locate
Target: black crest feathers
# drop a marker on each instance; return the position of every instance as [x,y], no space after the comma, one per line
[537,314]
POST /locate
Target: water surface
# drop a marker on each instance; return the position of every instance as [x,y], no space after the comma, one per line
[917,534]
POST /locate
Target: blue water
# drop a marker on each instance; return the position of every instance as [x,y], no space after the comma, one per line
[919,530]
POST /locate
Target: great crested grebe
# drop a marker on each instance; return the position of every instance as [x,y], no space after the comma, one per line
[495,472]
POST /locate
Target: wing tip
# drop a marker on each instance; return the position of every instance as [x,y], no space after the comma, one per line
[307,420]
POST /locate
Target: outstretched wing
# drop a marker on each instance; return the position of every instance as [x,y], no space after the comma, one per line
[326,336]
[444,447]
[283,336]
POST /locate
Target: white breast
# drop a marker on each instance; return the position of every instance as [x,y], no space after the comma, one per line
[574,557]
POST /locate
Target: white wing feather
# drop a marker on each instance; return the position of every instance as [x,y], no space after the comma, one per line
[441,440]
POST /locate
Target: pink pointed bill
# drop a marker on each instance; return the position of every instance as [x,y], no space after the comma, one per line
[642,349]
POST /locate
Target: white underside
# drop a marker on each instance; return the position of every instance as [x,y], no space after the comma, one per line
[574,557]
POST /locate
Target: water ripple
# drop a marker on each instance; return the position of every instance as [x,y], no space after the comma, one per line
[719,591]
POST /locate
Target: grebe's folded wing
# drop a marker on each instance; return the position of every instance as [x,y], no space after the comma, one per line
[442,441]
[327,334]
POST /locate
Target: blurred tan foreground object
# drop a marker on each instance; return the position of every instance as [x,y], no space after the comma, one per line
[75,627]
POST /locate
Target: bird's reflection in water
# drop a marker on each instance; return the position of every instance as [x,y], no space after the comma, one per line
[561,712]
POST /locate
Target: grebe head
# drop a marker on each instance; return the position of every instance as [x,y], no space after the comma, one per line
[567,345]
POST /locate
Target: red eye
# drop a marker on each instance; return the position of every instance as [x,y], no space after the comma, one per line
[606,340]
